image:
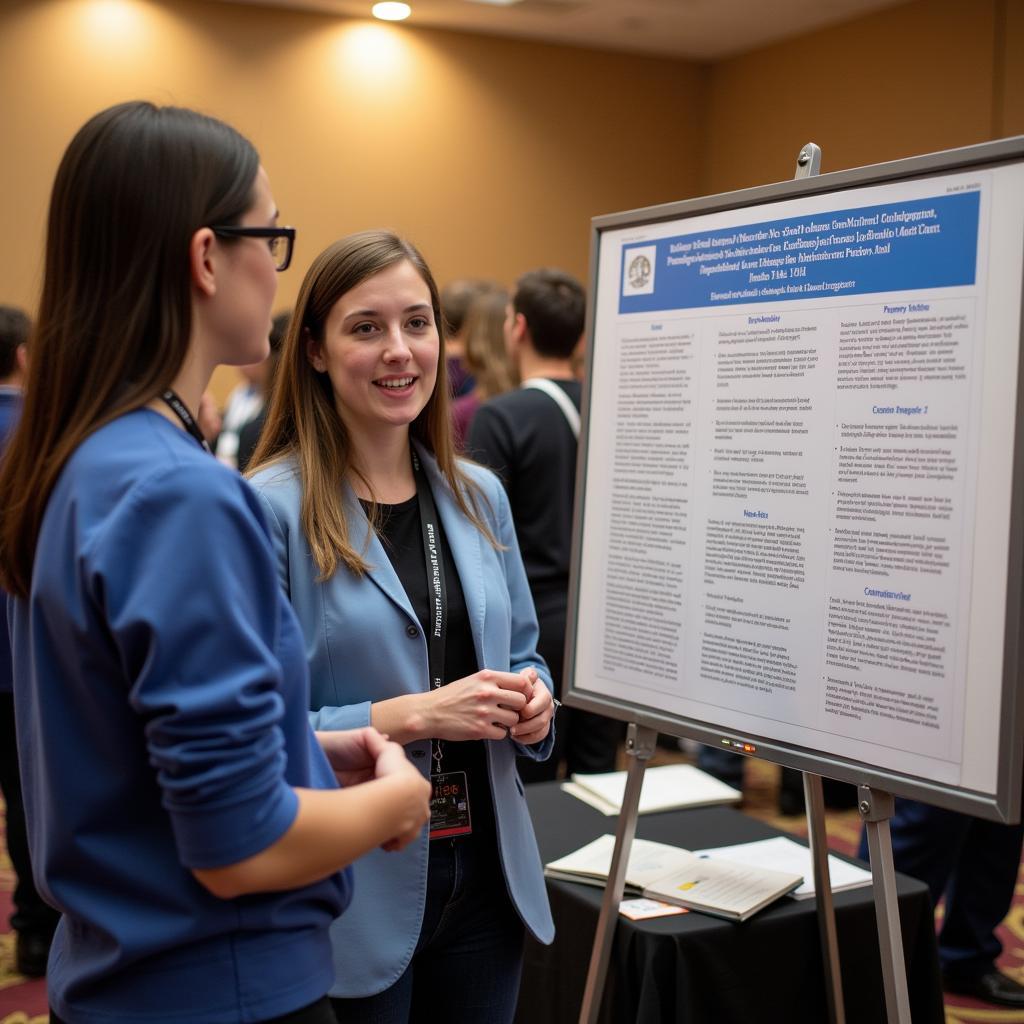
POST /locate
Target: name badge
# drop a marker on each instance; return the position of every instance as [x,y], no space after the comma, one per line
[449,806]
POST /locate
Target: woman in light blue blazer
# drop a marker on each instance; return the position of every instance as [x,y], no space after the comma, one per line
[402,564]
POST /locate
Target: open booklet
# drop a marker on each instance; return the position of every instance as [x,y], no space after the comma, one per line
[782,854]
[673,875]
[665,788]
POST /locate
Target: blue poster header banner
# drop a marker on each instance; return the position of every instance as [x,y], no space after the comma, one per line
[921,243]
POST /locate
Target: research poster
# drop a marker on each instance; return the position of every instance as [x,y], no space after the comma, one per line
[798,470]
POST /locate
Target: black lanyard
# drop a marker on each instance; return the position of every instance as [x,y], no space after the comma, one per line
[434,563]
[437,592]
[180,409]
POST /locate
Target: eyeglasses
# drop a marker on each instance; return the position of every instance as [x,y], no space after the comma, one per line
[280,240]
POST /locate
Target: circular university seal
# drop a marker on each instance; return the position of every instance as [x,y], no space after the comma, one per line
[639,271]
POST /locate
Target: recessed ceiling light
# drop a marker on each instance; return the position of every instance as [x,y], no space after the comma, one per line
[391,11]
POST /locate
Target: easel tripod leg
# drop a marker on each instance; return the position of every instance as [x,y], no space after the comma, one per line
[876,808]
[823,897]
[640,745]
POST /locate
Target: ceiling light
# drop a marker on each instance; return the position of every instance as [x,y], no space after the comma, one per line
[374,57]
[391,11]
[113,22]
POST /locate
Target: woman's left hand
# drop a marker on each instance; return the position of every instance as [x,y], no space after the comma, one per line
[352,753]
[535,718]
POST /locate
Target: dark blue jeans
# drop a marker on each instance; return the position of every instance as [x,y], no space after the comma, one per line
[973,863]
[469,956]
[32,916]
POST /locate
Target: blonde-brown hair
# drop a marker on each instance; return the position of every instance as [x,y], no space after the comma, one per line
[303,421]
[486,355]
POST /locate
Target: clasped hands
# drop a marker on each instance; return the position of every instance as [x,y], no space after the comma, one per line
[487,705]
[490,705]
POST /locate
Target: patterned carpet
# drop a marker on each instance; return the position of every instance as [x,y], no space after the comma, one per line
[24,1002]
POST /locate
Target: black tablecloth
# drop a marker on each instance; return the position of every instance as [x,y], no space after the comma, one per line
[703,970]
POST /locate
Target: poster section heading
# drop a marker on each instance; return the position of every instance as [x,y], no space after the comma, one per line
[922,243]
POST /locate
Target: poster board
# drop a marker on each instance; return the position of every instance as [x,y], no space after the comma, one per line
[799,495]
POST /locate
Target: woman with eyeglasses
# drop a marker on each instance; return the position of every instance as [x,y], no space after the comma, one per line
[183,817]
[402,564]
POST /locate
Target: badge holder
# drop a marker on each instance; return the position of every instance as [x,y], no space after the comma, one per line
[449,801]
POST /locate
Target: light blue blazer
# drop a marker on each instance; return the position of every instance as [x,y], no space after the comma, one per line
[360,651]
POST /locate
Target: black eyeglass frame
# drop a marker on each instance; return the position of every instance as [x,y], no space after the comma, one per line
[236,231]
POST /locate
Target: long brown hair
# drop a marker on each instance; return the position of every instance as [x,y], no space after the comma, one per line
[114,323]
[486,355]
[303,421]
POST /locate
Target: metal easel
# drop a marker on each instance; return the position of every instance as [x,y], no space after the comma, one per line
[640,744]
[875,809]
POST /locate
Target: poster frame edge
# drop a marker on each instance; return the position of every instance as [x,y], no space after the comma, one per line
[1005,804]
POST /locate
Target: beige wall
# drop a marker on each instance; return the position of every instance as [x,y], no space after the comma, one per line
[491,154]
[1010,71]
[924,76]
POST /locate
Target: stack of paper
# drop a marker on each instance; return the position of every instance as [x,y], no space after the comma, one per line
[667,873]
[782,854]
[667,788]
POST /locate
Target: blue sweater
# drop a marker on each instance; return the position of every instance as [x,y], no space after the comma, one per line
[161,691]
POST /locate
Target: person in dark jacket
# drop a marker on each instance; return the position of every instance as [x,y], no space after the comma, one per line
[33,920]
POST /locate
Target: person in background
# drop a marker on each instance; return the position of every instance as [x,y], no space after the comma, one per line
[33,920]
[244,404]
[487,359]
[973,864]
[529,438]
[250,432]
[182,815]
[387,542]
[456,298]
